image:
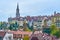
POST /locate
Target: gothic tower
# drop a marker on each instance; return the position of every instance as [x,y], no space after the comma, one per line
[17,11]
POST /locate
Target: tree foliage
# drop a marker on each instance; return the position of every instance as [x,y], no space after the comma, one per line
[27,29]
[3,25]
[26,37]
[13,26]
[57,34]
[55,31]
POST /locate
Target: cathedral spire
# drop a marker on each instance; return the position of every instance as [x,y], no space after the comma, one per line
[17,11]
[17,6]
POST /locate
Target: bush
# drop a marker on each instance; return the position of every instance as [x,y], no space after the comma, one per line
[26,37]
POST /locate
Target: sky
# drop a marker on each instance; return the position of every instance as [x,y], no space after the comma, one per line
[28,8]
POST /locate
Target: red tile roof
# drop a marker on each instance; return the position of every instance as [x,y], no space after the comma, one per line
[20,34]
[2,33]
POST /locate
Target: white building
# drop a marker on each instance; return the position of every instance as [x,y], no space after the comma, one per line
[49,22]
[8,36]
[37,24]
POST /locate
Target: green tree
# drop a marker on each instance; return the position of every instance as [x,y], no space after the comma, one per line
[15,26]
[3,25]
[26,37]
[11,27]
[58,34]
[53,29]
[27,29]
[0,25]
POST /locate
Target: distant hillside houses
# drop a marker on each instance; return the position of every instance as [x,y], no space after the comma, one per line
[36,21]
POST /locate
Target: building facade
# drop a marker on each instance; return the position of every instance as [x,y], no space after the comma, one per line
[56,19]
